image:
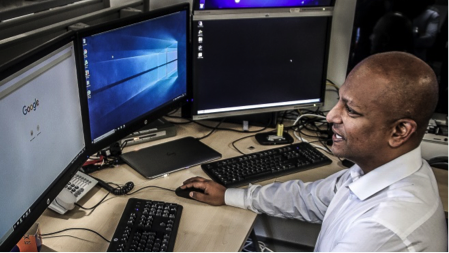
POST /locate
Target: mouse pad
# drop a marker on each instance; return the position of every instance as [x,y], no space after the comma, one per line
[158,160]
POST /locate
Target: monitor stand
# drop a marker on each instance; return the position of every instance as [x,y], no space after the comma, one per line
[156,130]
[259,120]
[271,138]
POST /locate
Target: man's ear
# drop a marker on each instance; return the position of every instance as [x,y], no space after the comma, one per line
[402,130]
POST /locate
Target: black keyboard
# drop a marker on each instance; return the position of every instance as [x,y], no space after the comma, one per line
[147,225]
[241,170]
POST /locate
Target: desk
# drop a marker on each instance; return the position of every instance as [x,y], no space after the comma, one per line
[202,227]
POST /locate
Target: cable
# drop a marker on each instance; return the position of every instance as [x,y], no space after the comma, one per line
[150,186]
[95,206]
[233,130]
[329,82]
[127,193]
[233,143]
[308,115]
[67,229]
[249,244]
[213,130]
[264,248]
[304,140]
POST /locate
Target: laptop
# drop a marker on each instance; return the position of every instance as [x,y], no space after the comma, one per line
[163,159]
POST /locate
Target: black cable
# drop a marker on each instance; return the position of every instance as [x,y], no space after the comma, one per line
[328,150]
[336,91]
[321,140]
[129,193]
[233,143]
[150,186]
[67,229]
[233,130]
[333,85]
[95,206]
[124,145]
[282,118]
[213,130]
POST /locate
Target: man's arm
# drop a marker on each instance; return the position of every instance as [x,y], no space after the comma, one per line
[292,199]
[213,192]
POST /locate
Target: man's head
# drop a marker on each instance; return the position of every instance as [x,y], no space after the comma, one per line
[393,32]
[384,108]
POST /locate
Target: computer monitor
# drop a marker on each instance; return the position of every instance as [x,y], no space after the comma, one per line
[248,61]
[132,72]
[238,4]
[43,142]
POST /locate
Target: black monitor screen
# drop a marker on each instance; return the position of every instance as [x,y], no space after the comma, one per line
[238,4]
[41,134]
[133,69]
[255,64]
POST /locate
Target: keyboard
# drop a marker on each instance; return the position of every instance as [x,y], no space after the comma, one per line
[146,225]
[259,166]
[79,185]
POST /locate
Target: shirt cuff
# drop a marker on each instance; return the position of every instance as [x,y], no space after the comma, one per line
[235,197]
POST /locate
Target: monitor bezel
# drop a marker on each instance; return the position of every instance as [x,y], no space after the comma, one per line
[190,109]
[149,117]
[41,204]
[196,6]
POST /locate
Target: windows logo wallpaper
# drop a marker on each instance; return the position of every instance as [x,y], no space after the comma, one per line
[134,69]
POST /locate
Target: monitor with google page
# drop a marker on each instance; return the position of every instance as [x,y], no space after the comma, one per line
[250,59]
[132,72]
[43,142]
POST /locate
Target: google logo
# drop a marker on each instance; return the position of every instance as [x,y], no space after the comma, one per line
[32,107]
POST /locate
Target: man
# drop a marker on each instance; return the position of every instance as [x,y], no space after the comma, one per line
[389,200]
[392,32]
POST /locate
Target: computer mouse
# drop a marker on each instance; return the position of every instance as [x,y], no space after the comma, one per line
[184,193]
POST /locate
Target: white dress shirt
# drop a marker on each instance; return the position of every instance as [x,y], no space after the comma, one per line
[395,207]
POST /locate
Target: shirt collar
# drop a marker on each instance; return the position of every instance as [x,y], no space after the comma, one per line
[385,175]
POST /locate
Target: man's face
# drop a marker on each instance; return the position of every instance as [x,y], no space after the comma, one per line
[359,121]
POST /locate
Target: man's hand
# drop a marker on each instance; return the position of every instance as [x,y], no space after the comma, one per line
[213,192]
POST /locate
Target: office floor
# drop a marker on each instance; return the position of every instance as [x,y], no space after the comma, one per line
[272,245]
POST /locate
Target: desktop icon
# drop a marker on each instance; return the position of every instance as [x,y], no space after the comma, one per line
[200,48]
[85,52]
[87,83]
[200,55]
[200,39]
[200,23]
[200,33]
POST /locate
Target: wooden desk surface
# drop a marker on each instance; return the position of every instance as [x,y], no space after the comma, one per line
[202,227]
